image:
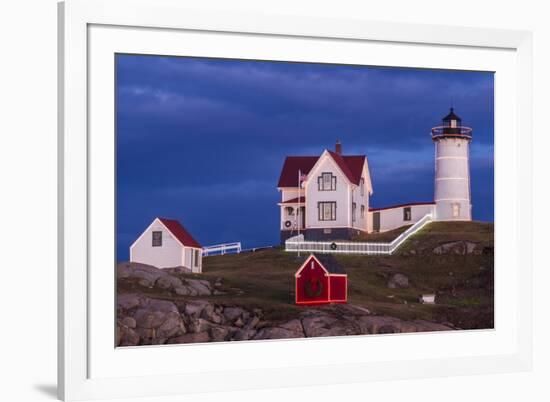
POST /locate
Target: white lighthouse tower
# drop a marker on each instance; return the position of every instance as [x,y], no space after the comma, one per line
[452,169]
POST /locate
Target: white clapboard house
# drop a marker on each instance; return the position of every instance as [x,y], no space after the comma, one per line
[166,243]
[326,197]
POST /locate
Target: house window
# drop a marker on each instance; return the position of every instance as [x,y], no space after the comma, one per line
[327,182]
[407,214]
[362,212]
[327,211]
[362,187]
[157,239]
[353,211]
[196,258]
[290,211]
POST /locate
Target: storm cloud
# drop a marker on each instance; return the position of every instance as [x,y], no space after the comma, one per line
[203,140]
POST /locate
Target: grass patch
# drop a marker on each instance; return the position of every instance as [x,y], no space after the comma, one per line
[382,237]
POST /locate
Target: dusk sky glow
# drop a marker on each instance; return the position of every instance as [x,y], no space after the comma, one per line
[203,140]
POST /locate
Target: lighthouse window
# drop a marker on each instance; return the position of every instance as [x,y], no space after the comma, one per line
[327,182]
[407,214]
[456,210]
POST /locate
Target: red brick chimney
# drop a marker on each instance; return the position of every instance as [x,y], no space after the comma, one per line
[338,147]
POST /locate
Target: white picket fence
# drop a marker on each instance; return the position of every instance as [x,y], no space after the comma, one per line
[297,243]
[220,249]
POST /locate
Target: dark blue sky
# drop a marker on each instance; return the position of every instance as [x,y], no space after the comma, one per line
[203,140]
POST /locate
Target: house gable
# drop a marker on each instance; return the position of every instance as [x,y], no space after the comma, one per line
[321,162]
[366,174]
[167,252]
[308,262]
[180,234]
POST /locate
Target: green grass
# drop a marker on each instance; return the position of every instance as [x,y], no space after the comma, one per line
[382,237]
[463,283]
[438,232]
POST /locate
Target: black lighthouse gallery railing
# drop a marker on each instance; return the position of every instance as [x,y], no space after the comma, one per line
[445,131]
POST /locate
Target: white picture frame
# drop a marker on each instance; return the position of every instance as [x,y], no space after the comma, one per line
[89,367]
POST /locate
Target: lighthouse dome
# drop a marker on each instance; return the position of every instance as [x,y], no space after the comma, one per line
[450,117]
[451,127]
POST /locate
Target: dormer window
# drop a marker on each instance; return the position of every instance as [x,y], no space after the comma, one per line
[327,182]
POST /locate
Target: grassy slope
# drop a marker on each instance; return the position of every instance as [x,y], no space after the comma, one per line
[464,283]
[382,237]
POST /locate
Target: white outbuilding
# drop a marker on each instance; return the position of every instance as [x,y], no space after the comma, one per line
[166,243]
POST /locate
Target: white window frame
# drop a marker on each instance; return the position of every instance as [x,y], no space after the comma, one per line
[330,183]
[153,233]
[322,211]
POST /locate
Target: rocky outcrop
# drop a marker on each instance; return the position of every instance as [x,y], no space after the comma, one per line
[146,321]
[167,279]
[170,306]
[398,281]
[460,247]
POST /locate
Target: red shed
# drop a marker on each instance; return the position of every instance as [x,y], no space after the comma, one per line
[321,279]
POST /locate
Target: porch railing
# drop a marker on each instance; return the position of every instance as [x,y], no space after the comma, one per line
[297,243]
[220,249]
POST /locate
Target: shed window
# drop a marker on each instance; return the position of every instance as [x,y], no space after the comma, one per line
[327,211]
[157,239]
[407,214]
[326,182]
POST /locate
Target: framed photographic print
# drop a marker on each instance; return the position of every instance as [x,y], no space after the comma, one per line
[246,196]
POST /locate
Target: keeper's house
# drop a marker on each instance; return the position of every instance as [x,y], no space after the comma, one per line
[320,280]
[326,197]
[165,244]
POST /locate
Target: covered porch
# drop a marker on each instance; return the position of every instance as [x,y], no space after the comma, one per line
[293,214]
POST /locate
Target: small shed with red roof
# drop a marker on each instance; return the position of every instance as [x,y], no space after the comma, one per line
[321,280]
[166,243]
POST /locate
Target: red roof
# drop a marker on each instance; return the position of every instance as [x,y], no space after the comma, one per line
[295,200]
[179,232]
[293,164]
[355,164]
[351,166]
[410,204]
